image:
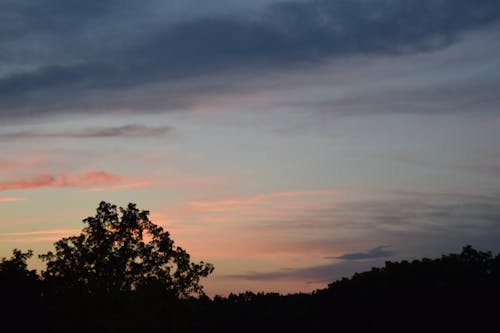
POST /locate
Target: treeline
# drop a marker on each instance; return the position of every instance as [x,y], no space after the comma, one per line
[123,273]
[455,292]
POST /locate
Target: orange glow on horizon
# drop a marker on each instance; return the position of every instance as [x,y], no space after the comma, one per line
[251,227]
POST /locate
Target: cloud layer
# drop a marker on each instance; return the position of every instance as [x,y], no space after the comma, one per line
[69,55]
[412,223]
[43,180]
[99,132]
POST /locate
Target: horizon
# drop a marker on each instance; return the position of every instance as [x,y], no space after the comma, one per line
[289,143]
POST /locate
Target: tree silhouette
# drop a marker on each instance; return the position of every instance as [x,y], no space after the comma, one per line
[17,267]
[20,288]
[121,250]
[15,277]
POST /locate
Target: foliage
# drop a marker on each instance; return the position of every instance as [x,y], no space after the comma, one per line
[451,293]
[17,267]
[121,250]
[15,277]
[19,286]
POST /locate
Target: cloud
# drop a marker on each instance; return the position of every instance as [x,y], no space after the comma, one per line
[325,273]
[429,213]
[305,229]
[27,161]
[128,186]
[103,132]
[41,232]
[378,252]
[61,180]
[260,200]
[37,236]
[492,168]
[13,199]
[87,61]
[332,214]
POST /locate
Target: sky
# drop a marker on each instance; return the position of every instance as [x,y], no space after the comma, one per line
[289,143]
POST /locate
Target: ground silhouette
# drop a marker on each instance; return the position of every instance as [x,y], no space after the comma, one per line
[124,274]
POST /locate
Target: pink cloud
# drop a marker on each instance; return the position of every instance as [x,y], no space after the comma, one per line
[61,180]
[257,200]
[37,236]
[21,162]
[11,199]
[142,183]
[57,232]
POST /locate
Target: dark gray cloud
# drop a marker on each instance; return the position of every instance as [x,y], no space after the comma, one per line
[460,214]
[99,132]
[377,252]
[70,55]
[400,213]
[314,274]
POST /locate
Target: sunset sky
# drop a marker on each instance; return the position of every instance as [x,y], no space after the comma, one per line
[289,143]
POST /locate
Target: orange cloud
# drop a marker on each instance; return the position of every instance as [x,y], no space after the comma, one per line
[236,204]
[44,180]
[11,199]
[37,236]
[142,183]
[59,232]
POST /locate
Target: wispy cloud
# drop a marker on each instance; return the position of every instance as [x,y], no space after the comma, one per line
[257,200]
[324,273]
[103,132]
[333,224]
[13,199]
[41,232]
[21,162]
[61,180]
[142,183]
[37,236]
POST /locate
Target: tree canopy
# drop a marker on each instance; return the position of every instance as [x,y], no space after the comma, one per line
[15,277]
[121,250]
[452,293]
